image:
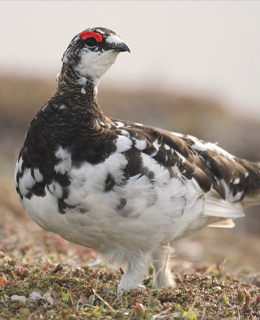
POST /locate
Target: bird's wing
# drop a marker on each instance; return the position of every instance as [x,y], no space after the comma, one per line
[223,178]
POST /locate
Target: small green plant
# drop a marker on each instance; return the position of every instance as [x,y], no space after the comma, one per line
[190,315]
[216,270]
[139,311]
[224,298]
[248,300]
[240,296]
[65,297]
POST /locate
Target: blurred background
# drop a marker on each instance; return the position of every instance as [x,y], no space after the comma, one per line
[194,68]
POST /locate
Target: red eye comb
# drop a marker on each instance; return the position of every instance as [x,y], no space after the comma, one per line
[89,34]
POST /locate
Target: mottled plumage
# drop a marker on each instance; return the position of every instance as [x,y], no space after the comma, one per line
[125,189]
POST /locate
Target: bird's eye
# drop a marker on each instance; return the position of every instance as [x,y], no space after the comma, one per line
[91,42]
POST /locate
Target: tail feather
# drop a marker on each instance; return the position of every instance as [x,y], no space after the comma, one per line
[226,223]
[222,209]
[233,179]
[249,184]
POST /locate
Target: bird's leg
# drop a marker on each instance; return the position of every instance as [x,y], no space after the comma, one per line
[136,270]
[162,274]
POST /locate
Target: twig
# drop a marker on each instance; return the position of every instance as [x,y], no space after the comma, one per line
[99,297]
[160,315]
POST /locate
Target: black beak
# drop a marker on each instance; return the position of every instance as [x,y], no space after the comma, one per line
[121,47]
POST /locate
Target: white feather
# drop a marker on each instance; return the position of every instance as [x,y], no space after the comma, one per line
[37,175]
[64,165]
[140,144]
[123,143]
[26,182]
[95,63]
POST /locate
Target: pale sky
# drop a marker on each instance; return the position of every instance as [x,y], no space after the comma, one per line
[208,48]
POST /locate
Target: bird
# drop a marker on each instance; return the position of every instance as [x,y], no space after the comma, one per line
[124,189]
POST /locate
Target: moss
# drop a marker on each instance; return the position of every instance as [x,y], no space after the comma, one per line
[196,295]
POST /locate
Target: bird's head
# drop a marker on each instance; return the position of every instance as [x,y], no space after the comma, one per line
[91,53]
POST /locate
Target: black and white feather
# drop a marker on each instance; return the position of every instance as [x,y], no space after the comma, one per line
[125,189]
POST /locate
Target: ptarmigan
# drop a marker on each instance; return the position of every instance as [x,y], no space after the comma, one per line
[124,189]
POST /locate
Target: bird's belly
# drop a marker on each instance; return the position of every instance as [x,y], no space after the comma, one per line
[99,209]
[136,216]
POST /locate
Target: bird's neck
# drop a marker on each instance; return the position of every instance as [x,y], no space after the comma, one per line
[79,93]
[71,81]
